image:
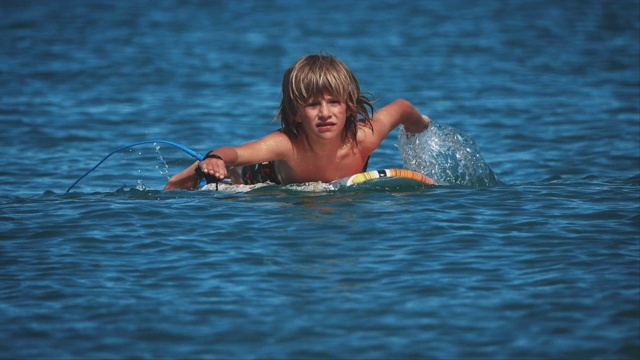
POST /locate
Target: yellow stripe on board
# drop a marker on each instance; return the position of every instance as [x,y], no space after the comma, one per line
[362,177]
[401,173]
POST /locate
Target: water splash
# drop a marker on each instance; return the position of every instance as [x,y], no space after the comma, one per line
[165,169]
[141,186]
[447,155]
[227,187]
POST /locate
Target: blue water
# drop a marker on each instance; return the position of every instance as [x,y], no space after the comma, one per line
[542,263]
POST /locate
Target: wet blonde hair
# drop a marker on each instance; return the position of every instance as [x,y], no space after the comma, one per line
[316,75]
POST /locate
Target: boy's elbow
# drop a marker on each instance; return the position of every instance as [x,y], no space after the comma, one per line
[405,107]
[403,103]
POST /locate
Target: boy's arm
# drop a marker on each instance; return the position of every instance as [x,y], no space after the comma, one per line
[271,147]
[390,116]
[400,112]
[186,179]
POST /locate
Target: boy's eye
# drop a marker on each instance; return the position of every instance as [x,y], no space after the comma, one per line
[316,103]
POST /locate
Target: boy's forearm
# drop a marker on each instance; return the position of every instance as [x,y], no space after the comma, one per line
[187,179]
[228,154]
[412,120]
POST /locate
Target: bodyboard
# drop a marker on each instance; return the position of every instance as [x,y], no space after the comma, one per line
[374,180]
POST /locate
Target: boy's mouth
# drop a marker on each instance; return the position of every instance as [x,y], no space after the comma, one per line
[324,126]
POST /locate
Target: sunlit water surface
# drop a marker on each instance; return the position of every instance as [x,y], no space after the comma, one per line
[529,248]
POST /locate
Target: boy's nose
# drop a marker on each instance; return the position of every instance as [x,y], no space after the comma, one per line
[323,110]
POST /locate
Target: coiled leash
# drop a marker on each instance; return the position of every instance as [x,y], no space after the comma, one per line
[207,178]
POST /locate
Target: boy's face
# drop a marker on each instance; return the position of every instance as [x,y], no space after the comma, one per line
[323,116]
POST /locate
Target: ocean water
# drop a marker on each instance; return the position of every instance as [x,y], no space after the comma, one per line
[540,261]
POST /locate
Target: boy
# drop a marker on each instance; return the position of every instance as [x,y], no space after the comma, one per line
[326,132]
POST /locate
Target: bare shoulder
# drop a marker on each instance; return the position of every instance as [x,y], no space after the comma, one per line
[366,140]
[383,122]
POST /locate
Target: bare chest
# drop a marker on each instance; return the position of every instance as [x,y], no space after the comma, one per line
[312,168]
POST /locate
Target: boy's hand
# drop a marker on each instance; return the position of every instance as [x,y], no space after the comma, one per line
[212,168]
[423,126]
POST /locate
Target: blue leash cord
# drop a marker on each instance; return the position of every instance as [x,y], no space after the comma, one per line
[181,147]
